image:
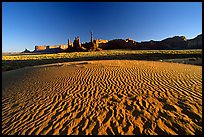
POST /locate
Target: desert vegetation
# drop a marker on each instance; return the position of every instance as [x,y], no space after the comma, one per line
[15,61]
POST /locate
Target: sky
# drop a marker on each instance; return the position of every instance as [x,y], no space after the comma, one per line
[26,24]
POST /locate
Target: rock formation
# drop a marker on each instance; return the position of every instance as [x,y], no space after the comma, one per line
[195,43]
[92,45]
[176,42]
[91,36]
[77,45]
[40,48]
[119,44]
[70,44]
[50,49]
[26,51]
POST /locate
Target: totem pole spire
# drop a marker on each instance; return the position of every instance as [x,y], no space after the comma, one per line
[91,36]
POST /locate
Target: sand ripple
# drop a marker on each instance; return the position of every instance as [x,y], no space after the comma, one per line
[103,97]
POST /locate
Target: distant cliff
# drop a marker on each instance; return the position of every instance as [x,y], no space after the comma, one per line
[172,43]
[26,51]
[177,42]
[195,43]
[119,44]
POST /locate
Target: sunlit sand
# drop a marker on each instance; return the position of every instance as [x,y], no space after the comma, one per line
[103,97]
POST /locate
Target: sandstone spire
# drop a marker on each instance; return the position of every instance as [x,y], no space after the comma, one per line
[91,37]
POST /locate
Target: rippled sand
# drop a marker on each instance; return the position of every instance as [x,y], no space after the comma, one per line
[103,97]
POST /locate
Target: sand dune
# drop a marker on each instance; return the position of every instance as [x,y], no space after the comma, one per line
[103,97]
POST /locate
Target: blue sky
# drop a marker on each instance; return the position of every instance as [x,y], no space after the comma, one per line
[26,24]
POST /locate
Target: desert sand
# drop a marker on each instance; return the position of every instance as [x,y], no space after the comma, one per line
[103,97]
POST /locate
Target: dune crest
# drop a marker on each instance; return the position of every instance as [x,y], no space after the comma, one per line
[103,97]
